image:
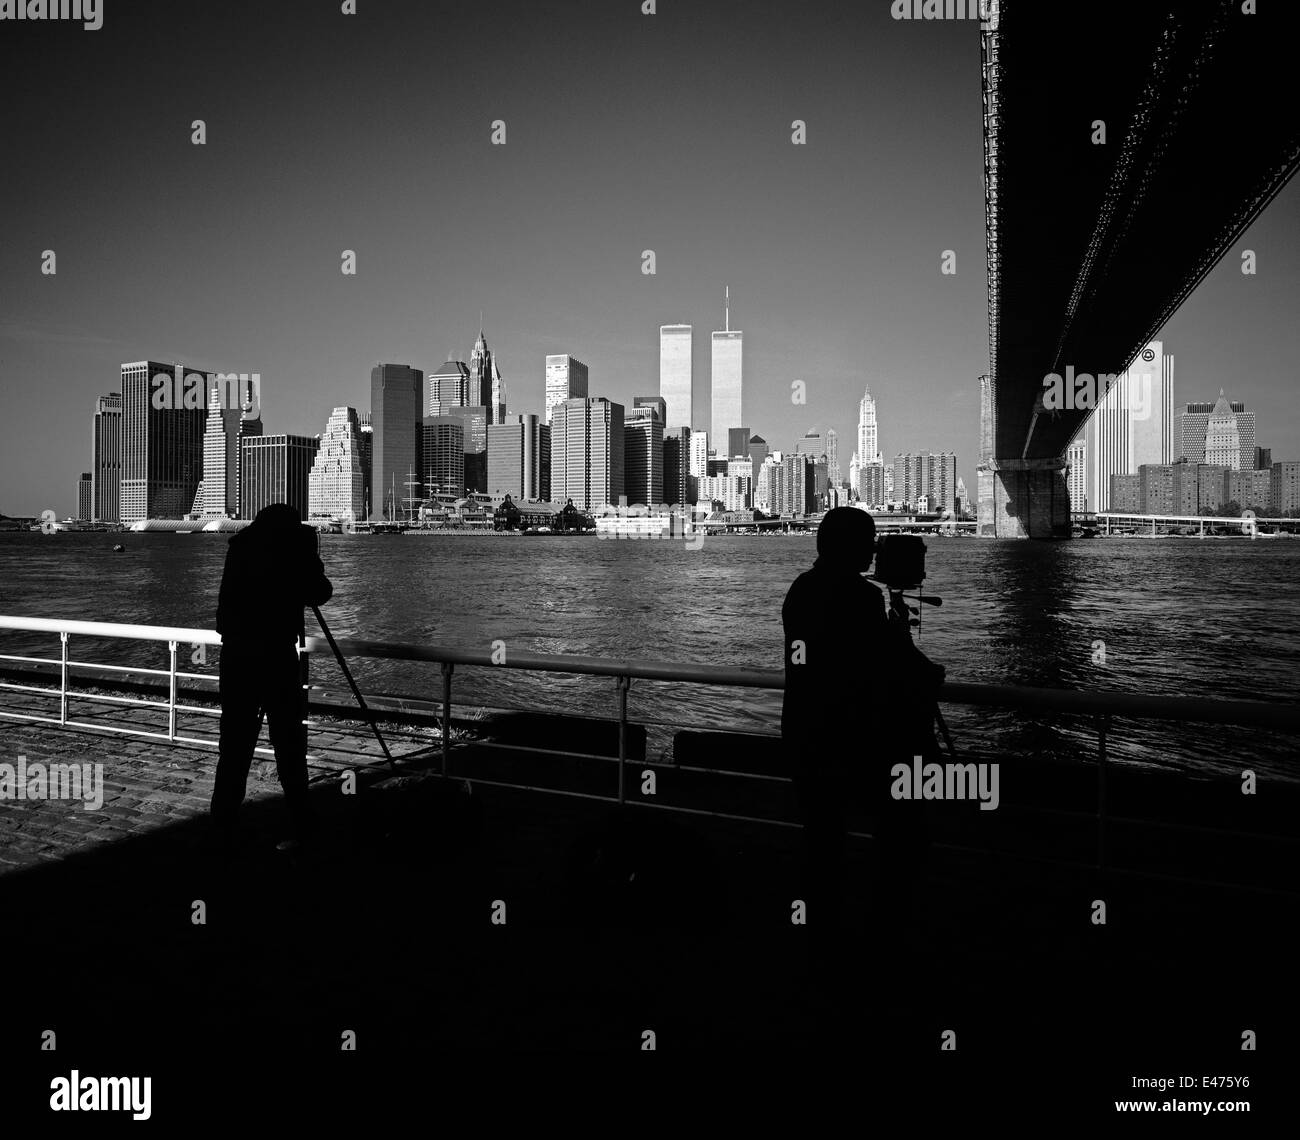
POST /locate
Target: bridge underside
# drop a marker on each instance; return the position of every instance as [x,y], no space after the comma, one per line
[1092,244]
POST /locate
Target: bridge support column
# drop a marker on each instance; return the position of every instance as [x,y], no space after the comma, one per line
[1023,498]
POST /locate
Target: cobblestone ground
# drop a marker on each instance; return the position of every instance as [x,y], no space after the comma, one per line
[151,784]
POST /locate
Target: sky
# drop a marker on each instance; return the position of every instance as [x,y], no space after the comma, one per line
[623,133]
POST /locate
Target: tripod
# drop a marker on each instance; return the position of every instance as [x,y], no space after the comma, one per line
[901,611]
[370,717]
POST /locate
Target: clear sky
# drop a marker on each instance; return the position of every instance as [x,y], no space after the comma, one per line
[624,132]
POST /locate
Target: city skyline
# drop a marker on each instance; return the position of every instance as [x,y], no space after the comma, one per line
[834,258]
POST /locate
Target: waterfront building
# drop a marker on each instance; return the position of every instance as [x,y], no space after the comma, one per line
[276,469]
[727,377]
[733,492]
[587,444]
[675,352]
[1285,489]
[1251,490]
[162,446]
[1125,494]
[1211,487]
[336,484]
[1076,476]
[106,462]
[395,397]
[566,379]
[519,458]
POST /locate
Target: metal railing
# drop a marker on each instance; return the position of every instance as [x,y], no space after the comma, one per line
[1104,706]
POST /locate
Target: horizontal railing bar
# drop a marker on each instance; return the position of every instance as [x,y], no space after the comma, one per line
[31,660]
[111,629]
[118,668]
[1213,711]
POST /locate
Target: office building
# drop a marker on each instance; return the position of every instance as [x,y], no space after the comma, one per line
[367,455]
[678,480]
[1231,443]
[475,421]
[643,455]
[727,377]
[658,403]
[1076,476]
[395,398]
[448,387]
[1132,424]
[757,451]
[106,462]
[587,442]
[868,431]
[481,385]
[276,469]
[336,485]
[675,351]
[226,428]
[442,455]
[699,454]
[162,440]
[519,458]
[566,379]
[737,442]
[85,496]
[833,473]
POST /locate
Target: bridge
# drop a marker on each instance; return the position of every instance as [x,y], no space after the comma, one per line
[1093,245]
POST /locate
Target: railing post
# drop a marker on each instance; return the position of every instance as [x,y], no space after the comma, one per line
[446,713]
[623,682]
[1101,790]
[171,692]
[63,678]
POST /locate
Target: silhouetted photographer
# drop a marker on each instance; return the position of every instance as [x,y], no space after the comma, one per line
[859,698]
[273,570]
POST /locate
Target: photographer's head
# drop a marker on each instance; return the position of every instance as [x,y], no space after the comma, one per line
[846,539]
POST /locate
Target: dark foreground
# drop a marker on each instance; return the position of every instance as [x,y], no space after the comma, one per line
[617,927]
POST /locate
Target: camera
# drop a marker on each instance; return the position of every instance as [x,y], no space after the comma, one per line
[900,561]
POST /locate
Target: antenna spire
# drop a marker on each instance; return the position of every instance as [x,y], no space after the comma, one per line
[728,289]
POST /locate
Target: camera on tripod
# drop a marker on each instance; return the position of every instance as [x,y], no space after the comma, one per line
[900,561]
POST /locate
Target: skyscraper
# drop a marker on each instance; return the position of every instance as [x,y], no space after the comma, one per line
[1076,477]
[448,388]
[929,476]
[1193,424]
[566,379]
[1132,424]
[442,453]
[395,392]
[699,459]
[498,394]
[757,454]
[367,457]
[810,444]
[587,452]
[677,467]
[226,427]
[106,464]
[868,435]
[162,440]
[478,384]
[675,351]
[737,442]
[643,455]
[475,422]
[727,378]
[85,496]
[519,458]
[275,469]
[336,483]
[832,457]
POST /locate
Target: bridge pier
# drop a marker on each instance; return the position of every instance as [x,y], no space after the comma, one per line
[1023,498]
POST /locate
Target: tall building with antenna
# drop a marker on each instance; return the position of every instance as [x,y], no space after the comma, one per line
[727,377]
[675,375]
